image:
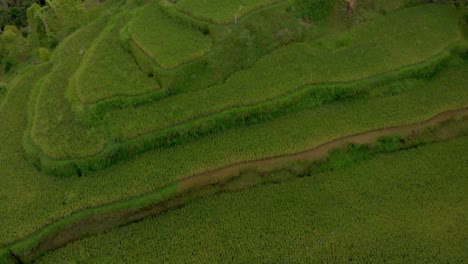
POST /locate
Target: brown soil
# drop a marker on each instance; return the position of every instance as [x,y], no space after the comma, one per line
[316,153]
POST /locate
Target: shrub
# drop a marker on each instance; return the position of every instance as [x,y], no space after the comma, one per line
[13,47]
[44,54]
[316,10]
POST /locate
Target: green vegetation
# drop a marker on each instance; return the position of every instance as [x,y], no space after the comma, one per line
[268,87]
[221,12]
[134,96]
[235,47]
[98,79]
[108,214]
[30,26]
[13,47]
[54,128]
[13,12]
[372,211]
[315,10]
[50,198]
[102,218]
[168,43]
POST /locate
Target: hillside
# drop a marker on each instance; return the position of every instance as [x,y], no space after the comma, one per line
[145,106]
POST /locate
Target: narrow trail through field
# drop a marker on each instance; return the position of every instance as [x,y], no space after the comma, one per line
[102,218]
[318,152]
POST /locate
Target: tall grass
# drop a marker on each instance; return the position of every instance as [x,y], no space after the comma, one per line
[102,218]
[168,43]
[286,70]
[72,147]
[404,206]
[221,12]
[50,198]
[54,129]
[33,199]
[109,71]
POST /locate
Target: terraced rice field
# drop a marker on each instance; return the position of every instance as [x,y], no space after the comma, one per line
[221,12]
[266,87]
[148,94]
[374,211]
[165,41]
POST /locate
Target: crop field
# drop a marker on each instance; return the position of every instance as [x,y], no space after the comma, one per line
[264,88]
[373,211]
[141,98]
[54,129]
[97,79]
[167,42]
[221,12]
[287,134]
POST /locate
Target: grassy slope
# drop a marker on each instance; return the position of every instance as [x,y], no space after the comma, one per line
[278,73]
[393,45]
[167,42]
[220,12]
[109,70]
[232,49]
[33,199]
[407,206]
[55,129]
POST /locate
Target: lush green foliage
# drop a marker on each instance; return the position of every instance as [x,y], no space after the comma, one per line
[221,12]
[54,128]
[13,47]
[407,206]
[108,70]
[50,198]
[84,66]
[14,12]
[315,10]
[282,72]
[167,42]
[235,47]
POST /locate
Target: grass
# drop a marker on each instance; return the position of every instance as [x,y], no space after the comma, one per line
[50,198]
[34,199]
[3,91]
[109,71]
[80,220]
[167,42]
[54,127]
[234,48]
[102,218]
[289,68]
[91,146]
[220,12]
[374,211]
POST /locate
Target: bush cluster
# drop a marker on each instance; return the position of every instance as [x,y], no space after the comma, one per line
[314,10]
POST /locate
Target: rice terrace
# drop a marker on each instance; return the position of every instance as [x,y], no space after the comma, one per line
[233,131]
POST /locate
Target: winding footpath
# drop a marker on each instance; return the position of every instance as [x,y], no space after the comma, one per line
[105,217]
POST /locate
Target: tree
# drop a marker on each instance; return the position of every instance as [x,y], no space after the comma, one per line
[14,12]
[70,13]
[13,47]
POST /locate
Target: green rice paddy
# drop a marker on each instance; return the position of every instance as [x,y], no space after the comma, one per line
[149,93]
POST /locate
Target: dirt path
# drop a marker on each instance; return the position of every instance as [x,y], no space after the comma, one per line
[91,221]
[319,152]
